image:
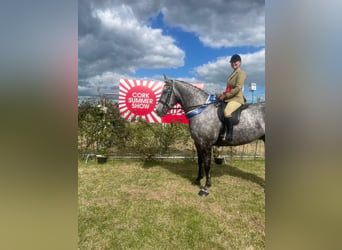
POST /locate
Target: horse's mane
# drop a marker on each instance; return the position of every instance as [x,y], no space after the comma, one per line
[191,86]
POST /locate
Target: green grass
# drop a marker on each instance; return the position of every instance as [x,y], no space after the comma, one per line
[152,205]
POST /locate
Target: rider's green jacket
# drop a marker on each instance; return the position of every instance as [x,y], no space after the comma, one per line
[236,81]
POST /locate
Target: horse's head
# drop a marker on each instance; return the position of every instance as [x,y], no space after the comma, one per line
[167,99]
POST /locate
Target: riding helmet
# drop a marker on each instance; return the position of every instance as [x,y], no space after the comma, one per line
[235,58]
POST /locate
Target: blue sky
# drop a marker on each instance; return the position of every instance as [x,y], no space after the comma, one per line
[188,40]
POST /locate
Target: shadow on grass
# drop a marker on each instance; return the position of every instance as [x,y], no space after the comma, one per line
[188,169]
[236,172]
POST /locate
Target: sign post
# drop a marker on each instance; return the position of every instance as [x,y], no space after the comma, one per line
[252,88]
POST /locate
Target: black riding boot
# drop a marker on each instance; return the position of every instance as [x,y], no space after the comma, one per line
[228,135]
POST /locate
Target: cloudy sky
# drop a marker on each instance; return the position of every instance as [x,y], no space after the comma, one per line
[191,40]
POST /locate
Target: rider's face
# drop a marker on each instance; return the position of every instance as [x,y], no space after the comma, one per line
[235,65]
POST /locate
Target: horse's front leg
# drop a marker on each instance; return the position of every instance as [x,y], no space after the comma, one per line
[200,175]
[206,157]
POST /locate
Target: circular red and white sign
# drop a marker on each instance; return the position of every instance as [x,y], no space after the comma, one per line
[140,100]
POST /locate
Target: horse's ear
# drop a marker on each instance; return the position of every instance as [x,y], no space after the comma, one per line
[165,78]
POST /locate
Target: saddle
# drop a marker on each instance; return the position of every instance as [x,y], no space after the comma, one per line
[235,115]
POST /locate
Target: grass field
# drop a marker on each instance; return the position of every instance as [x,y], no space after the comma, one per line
[129,204]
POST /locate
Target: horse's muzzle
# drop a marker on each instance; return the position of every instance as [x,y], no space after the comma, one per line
[161,110]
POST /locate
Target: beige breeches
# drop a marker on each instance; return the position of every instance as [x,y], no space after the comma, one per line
[230,108]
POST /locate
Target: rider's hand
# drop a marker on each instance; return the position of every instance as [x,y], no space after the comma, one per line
[221,97]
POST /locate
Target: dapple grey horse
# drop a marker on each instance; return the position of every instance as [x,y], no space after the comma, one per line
[205,125]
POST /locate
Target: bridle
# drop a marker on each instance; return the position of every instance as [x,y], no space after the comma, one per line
[168,96]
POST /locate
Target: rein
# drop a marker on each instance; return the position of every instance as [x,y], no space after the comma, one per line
[192,107]
[199,108]
[192,110]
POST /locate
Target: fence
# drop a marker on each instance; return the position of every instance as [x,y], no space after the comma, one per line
[109,134]
[253,150]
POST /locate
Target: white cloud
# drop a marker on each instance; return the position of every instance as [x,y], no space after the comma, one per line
[113,39]
[108,82]
[215,73]
[119,19]
[221,23]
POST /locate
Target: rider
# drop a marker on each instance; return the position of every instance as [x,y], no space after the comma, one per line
[233,94]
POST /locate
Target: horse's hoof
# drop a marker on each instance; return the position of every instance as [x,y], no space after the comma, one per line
[203,192]
[196,183]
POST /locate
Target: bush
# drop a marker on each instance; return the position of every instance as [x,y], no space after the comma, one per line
[144,138]
[150,139]
[101,128]
[174,133]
